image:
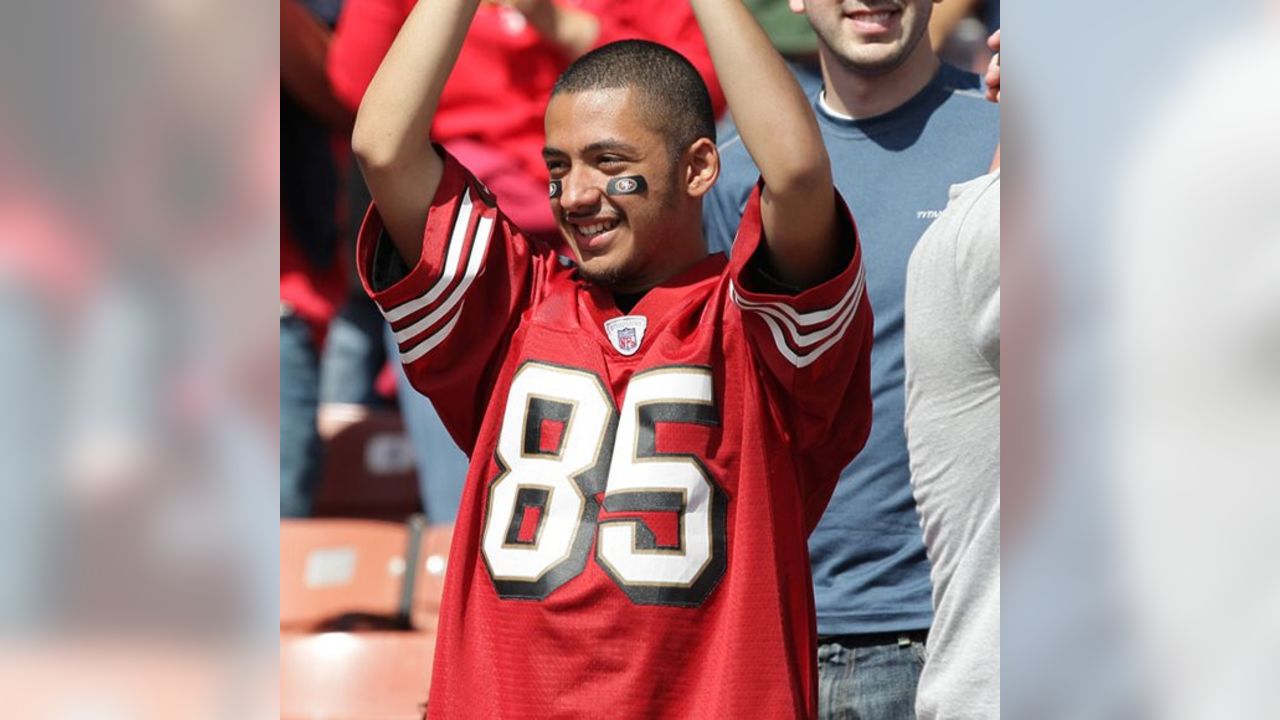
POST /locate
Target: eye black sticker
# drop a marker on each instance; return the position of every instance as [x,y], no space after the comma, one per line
[627,185]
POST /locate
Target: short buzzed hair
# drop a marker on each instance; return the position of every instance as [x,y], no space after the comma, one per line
[674,98]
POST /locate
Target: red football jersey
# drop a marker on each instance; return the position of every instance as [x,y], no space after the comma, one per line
[632,537]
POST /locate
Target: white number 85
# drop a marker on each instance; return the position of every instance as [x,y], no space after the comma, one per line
[542,514]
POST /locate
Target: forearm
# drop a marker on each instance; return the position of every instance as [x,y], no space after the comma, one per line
[769,108]
[392,137]
[797,208]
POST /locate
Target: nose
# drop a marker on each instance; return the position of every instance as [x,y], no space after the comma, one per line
[580,192]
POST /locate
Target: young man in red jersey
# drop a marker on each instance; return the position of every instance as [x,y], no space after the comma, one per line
[653,430]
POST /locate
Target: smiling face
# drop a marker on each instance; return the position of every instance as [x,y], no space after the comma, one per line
[627,243]
[869,37]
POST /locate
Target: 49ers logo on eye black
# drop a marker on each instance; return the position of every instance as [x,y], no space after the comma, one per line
[542,514]
[626,185]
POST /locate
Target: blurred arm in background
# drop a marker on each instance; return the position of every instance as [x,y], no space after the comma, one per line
[304,45]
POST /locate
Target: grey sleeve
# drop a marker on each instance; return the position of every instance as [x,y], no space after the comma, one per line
[978,270]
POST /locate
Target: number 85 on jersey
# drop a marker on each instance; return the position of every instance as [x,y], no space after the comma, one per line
[542,512]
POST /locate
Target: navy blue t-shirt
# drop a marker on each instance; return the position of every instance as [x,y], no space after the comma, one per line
[869,566]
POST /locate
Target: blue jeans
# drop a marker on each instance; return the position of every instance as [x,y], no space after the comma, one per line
[353,354]
[869,683]
[300,447]
[442,467]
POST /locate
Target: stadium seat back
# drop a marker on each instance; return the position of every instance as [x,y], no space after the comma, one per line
[432,561]
[369,471]
[350,676]
[334,568]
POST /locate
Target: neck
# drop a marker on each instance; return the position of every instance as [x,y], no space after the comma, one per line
[862,96]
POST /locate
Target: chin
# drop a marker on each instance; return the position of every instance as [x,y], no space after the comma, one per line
[606,274]
[872,60]
[606,277]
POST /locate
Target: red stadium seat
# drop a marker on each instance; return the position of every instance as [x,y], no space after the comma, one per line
[429,578]
[354,676]
[368,469]
[335,569]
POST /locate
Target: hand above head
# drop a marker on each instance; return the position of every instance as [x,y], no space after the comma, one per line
[993,69]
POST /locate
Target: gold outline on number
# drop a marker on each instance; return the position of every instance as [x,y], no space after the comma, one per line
[609,408]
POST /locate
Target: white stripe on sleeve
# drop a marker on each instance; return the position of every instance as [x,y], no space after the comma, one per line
[479,249]
[430,343]
[778,315]
[453,258]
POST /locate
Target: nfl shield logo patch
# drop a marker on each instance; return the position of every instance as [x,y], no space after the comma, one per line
[627,340]
[626,333]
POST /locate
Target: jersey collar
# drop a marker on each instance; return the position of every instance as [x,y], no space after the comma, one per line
[659,302]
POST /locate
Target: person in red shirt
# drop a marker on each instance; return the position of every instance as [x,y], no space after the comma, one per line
[490,113]
[654,431]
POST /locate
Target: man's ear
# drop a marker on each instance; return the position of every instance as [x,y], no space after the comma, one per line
[702,167]
[797,6]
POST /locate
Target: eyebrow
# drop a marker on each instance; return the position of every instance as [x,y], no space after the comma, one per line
[611,144]
[598,146]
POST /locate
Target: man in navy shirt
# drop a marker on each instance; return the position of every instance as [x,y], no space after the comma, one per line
[901,128]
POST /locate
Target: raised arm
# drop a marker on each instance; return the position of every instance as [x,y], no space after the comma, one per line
[780,132]
[392,137]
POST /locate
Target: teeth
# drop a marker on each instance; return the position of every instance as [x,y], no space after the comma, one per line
[597,229]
